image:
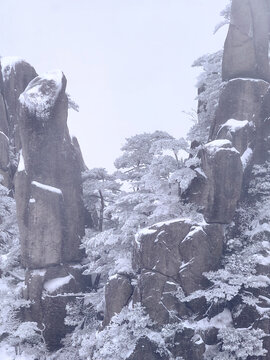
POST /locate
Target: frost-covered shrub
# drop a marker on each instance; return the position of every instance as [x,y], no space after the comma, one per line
[240,343]
[209,87]
[116,341]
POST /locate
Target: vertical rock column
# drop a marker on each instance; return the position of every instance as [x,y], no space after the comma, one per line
[49,204]
[15,75]
[242,115]
[246,45]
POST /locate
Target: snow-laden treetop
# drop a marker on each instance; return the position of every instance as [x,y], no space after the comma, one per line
[8,63]
[42,92]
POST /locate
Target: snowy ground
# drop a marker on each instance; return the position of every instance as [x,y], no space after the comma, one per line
[8,353]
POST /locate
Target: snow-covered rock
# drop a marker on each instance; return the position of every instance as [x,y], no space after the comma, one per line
[42,92]
[171,258]
[218,192]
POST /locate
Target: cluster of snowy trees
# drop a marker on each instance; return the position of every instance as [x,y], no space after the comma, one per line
[145,189]
[152,173]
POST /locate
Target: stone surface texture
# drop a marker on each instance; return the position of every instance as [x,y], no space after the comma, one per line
[118,289]
[246,45]
[53,180]
[171,259]
[42,166]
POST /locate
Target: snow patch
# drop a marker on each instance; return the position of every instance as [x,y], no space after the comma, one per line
[39,272]
[1,132]
[250,79]
[184,265]
[172,221]
[47,187]
[115,276]
[262,260]
[21,166]
[8,352]
[234,125]
[213,146]
[221,321]
[193,231]
[52,285]
[145,231]
[41,93]
[8,63]
[32,201]
[246,157]
[201,172]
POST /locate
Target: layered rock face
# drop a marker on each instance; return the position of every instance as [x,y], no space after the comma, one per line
[171,258]
[36,147]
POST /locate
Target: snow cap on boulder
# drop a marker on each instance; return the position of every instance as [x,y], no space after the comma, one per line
[42,92]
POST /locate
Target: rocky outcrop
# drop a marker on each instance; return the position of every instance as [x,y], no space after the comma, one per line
[241,99]
[218,188]
[188,345]
[120,289]
[14,77]
[146,349]
[50,179]
[171,259]
[49,204]
[240,133]
[246,45]
[50,290]
[35,146]
[17,74]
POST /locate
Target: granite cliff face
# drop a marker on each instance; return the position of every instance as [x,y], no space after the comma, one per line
[170,259]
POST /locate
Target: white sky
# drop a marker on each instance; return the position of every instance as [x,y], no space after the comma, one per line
[128,62]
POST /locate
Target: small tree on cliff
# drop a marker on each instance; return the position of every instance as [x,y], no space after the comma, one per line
[209,86]
[100,189]
[153,175]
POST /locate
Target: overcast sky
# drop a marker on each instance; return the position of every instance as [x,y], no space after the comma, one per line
[128,62]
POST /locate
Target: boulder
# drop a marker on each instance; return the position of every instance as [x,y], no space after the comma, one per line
[187,345]
[201,252]
[147,350]
[181,250]
[157,248]
[161,298]
[50,290]
[241,99]
[240,133]
[246,45]
[17,74]
[118,292]
[171,258]
[244,316]
[218,193]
